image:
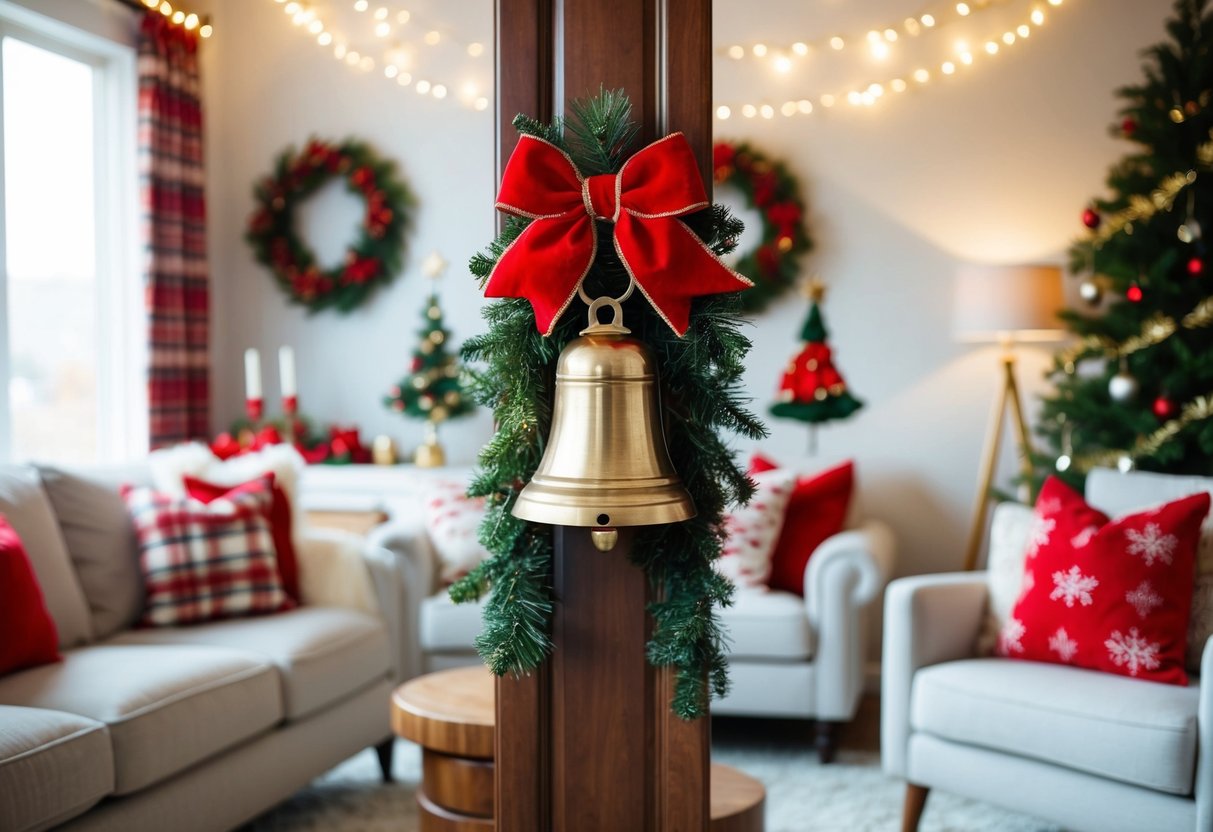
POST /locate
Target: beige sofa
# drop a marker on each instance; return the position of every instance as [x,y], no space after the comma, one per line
[198,728]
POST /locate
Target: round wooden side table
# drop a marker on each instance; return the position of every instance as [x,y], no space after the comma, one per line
[450,715]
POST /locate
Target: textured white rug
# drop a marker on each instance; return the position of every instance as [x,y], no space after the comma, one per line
[850,795]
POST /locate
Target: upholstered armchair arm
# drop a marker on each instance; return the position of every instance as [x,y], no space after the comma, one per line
[415,564]
[1204,743]
[844,575]
[928,619]
[339,569]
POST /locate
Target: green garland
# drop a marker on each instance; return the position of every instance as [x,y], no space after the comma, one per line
[373,260]
[702,397]
[770,188]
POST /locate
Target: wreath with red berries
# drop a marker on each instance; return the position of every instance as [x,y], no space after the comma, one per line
[371,261]
[770,189]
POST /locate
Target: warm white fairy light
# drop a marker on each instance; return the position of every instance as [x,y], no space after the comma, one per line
[395,58]
[749,111]
[1023,30]
[782,64]
[805,106]
[759,50]
[922,75]
[191,21]
[966,58]
[723,112]
[1037,17]
[799,47]
[837,43]
[788,108]
[991,48]
[880,49]
[890,35]
[963,9]
[912,26]
[898,85]
[827,101]
[947,67]
[206,30]
[1008,38]
[178,17]
[767,111]
[927,20]
[736,52]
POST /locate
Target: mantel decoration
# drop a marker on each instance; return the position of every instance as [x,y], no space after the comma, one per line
[773,192]
[372,260]
[431,390]
[590,216]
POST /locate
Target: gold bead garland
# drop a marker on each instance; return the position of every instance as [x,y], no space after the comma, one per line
[1197,410]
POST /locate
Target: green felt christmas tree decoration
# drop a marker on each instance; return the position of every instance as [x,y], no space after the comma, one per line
[812,390]
[513,366]
[1136,389]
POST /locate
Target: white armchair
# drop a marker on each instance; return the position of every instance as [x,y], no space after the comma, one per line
[789,656]
[1088,750]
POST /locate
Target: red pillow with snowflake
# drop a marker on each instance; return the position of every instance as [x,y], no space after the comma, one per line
[1107,595]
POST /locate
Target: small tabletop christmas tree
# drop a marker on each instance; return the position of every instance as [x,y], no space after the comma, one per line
[432,389]
[812,390]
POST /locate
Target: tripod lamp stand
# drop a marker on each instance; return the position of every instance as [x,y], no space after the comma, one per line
[1007,305]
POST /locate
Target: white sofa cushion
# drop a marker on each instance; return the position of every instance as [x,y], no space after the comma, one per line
[166,707]
[100,539]
[1125,729]
[29,511]
[323,653]
[53,766]
[448,627]
[767,624]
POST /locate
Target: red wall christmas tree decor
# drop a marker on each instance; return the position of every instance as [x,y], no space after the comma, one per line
[812,390]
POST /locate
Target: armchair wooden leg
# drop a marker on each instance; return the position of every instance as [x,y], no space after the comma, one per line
[827,740]
[384,752]
[916,801]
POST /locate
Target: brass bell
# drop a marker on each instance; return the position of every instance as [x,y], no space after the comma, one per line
[606,462]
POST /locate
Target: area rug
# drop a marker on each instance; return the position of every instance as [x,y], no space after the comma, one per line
[849,795]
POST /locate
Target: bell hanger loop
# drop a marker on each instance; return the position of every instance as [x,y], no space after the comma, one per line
[615,327]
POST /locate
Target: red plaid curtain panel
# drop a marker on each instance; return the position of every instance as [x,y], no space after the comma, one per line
[174,227]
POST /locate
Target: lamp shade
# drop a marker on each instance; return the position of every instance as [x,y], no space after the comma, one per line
[1007,303]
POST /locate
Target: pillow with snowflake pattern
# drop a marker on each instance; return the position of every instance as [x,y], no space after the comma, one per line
[1106,595]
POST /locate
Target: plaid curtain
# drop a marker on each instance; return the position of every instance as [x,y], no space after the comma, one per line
[174,226]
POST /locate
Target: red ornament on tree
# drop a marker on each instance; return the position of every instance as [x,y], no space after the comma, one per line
[1134,293]
[1196,267]
[1091,218]
[1128,127]
[1165,408]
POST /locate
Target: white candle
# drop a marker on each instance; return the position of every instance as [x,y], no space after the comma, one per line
[286,371]
[252,374]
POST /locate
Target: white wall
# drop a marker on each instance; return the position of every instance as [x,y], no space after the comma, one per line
[994,166]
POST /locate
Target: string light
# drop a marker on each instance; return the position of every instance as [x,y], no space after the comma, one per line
[870,94]
[395,58]
[877,38]
[187,20]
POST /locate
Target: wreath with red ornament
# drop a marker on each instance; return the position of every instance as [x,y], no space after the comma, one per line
[371,261]
[770,189]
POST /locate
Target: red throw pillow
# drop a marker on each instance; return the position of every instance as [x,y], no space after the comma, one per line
[1112,596]
[28,636]
[279,517]
[816,511]
[206,562]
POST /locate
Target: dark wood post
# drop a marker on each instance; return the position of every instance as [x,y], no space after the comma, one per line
[589,742]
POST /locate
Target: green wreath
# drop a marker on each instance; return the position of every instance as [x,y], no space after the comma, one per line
[771,189]
[372,261]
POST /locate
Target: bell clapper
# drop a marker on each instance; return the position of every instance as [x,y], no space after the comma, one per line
[604,539]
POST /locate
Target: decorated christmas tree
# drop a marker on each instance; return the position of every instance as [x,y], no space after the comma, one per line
[432,390]
[1136,389]
[812,390]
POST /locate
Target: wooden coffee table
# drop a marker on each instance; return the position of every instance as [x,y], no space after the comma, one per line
[450,715]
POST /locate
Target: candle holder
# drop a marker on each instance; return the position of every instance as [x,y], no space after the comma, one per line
[254,409]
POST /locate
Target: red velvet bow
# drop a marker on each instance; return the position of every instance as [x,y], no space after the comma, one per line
[548,261]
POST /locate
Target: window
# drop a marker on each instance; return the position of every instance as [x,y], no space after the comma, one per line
[71,368]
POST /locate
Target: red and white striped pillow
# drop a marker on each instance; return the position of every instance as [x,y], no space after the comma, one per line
[206,561]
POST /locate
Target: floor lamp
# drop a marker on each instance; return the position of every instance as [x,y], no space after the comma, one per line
[1007,305]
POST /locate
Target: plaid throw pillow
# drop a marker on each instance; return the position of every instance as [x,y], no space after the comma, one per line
[201,561]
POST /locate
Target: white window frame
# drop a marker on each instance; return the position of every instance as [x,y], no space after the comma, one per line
[122,419]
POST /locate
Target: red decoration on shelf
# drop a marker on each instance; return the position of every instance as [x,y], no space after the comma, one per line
[1196,267]
[1091,218]
[1165,408]
[1134,293]
[551,257]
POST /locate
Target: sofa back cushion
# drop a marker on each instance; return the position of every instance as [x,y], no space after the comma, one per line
[28,510]
[100,539]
